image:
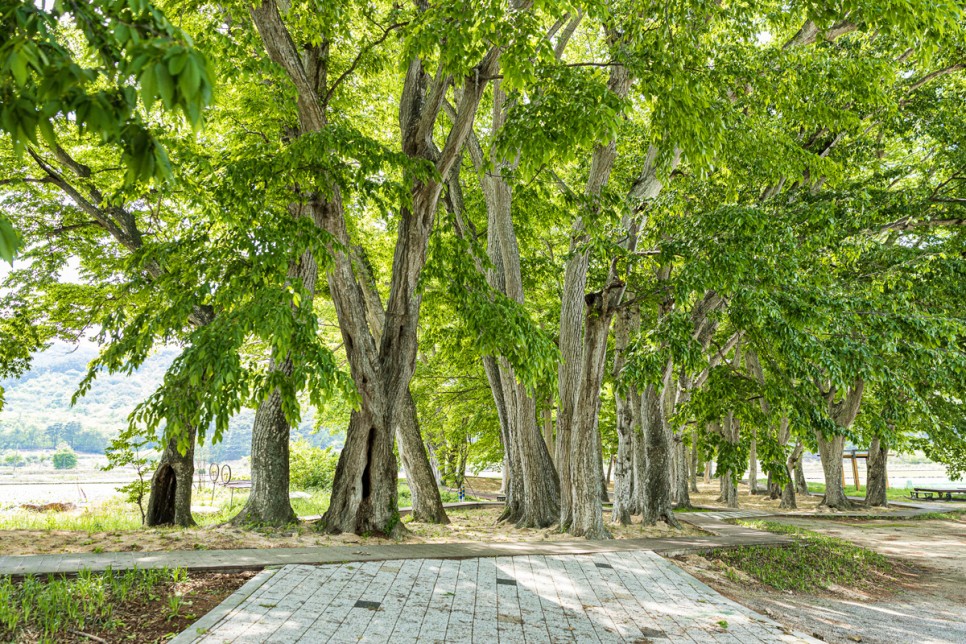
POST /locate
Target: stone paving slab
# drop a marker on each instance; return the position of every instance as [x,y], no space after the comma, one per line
[627,596]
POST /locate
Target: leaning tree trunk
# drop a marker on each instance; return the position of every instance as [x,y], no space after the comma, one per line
[586,460]
[875,485]
[427,503]
[169,502]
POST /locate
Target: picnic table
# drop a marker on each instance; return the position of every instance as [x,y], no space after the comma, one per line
[939,494]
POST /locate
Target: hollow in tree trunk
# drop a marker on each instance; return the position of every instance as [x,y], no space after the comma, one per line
[875,486]
[169,502]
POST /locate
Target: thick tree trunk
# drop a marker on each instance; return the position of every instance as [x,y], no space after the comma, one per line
[427,503]
[268,502]
[830,451]
[169,502]
[586,460]
[657,444]
[875,485]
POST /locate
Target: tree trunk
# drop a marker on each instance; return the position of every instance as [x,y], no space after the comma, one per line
[627,402]
[729,491]
[268,502]
[707,472]
[830,451]
[533,492]
[753,468]
[693,465]
[657,445]
[801,485]
[681,498]
[548,427]
[791,466]
[427,503]
[875,485]
[586,461]
[169,502]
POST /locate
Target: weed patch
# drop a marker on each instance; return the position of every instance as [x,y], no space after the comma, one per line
[812,562]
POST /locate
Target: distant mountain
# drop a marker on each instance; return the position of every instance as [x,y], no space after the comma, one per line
[37,413]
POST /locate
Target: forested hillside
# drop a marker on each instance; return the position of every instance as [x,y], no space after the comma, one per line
[38,413]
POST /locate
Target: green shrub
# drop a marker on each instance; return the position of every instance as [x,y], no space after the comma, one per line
[14,459]
[64,458]
[311,467]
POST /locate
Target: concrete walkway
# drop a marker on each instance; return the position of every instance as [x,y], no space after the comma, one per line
[721,535]
[631,596]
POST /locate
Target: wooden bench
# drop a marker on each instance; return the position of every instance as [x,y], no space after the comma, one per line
[938,494]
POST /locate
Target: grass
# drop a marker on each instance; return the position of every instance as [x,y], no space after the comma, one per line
[48,609]
[951,515]
[813,562]
[118,516]
[892,493]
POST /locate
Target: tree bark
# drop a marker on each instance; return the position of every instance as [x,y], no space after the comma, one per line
[801,485]
[682,498]
[268,502]
[427,503]
[169,502]
[729,491]
[587,461]
[657,445]
[627,322]
[875,485]
[830,448]
[788,491]
[753,468]
[693,465]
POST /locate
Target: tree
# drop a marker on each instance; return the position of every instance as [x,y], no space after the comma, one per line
[64,458]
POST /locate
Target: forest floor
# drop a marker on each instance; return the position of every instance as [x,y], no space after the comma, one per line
[923,598]
[465,525]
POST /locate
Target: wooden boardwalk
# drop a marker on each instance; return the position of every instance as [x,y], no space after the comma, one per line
[628,596]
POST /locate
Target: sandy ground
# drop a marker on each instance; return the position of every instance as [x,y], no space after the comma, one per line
[465,525]
[928,606]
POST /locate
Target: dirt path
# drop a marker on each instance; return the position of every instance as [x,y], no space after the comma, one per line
[931,608]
